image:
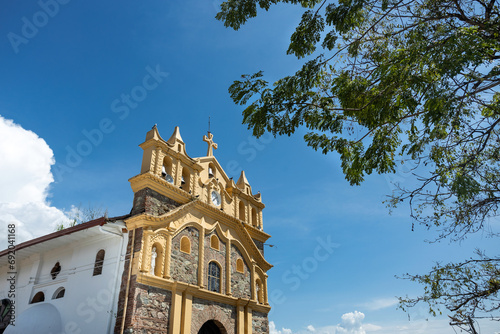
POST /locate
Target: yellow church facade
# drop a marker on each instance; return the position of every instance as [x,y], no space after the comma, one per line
[195,258]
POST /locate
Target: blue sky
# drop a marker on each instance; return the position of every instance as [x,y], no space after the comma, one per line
[80,72]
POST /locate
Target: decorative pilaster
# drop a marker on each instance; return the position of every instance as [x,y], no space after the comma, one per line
[187,306]
[178,173]
[146,249]
[201,257]
[195,183]
[222,201]
[228,267]
[158,161]
[237,208]
[248,320]
[176,311]
[252,279]
[240,319]
[265,290]
[168,252]
[248,214]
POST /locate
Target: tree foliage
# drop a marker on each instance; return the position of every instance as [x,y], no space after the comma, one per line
[387,81]
[79,215]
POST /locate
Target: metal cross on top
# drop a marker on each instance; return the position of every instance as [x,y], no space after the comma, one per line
[211,144]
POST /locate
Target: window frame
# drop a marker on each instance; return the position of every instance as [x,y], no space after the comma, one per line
[40,297]
[185,243]
[215,242]
[213,277]
[240,266]
[99,262]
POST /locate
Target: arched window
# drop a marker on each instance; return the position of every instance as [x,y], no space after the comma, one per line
[56,269]
[186,179]
[239,266]
[259,290]
[166,171]
[242,210]
[211,170]
[99,261]
[254,217]
[213,277]
[59,293]
[185,245]
[214,242]
[38,298]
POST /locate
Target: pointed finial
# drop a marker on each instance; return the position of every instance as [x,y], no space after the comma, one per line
[175,136]
[211,145]
[154,127]
[242,181]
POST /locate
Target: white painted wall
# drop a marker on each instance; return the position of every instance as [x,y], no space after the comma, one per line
[90,302]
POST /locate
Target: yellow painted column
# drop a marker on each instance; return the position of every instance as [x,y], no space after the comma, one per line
[252,279]
[265,290]
[248,320]
[201,257]
[228,268]
[240,320]
[175,313]
[191,184]
[247,214]
[146,248]
[187,307]
[260,220]
[168,253]
[195,183]
[158,161]
[178,176]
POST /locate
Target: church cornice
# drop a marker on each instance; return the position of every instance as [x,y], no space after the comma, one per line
[254,199]
[256,233]
[161,186]
[167,221]
[196,291]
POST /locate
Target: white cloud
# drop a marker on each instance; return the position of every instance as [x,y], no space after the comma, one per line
[380,303]
[351,323]
[25,178]
[273,330]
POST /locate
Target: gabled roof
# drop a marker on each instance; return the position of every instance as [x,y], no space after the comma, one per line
[65,232]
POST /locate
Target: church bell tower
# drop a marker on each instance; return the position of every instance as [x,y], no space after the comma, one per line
[195,259]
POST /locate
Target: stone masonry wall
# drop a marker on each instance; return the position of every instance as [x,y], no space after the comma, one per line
[148,308]
[150,202]
[184,267]
[260,323]
[152,310]
[217,255]
[132,283]
[240,282]
[204,310]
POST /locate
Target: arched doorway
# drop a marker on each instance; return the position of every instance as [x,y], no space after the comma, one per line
[212,327]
